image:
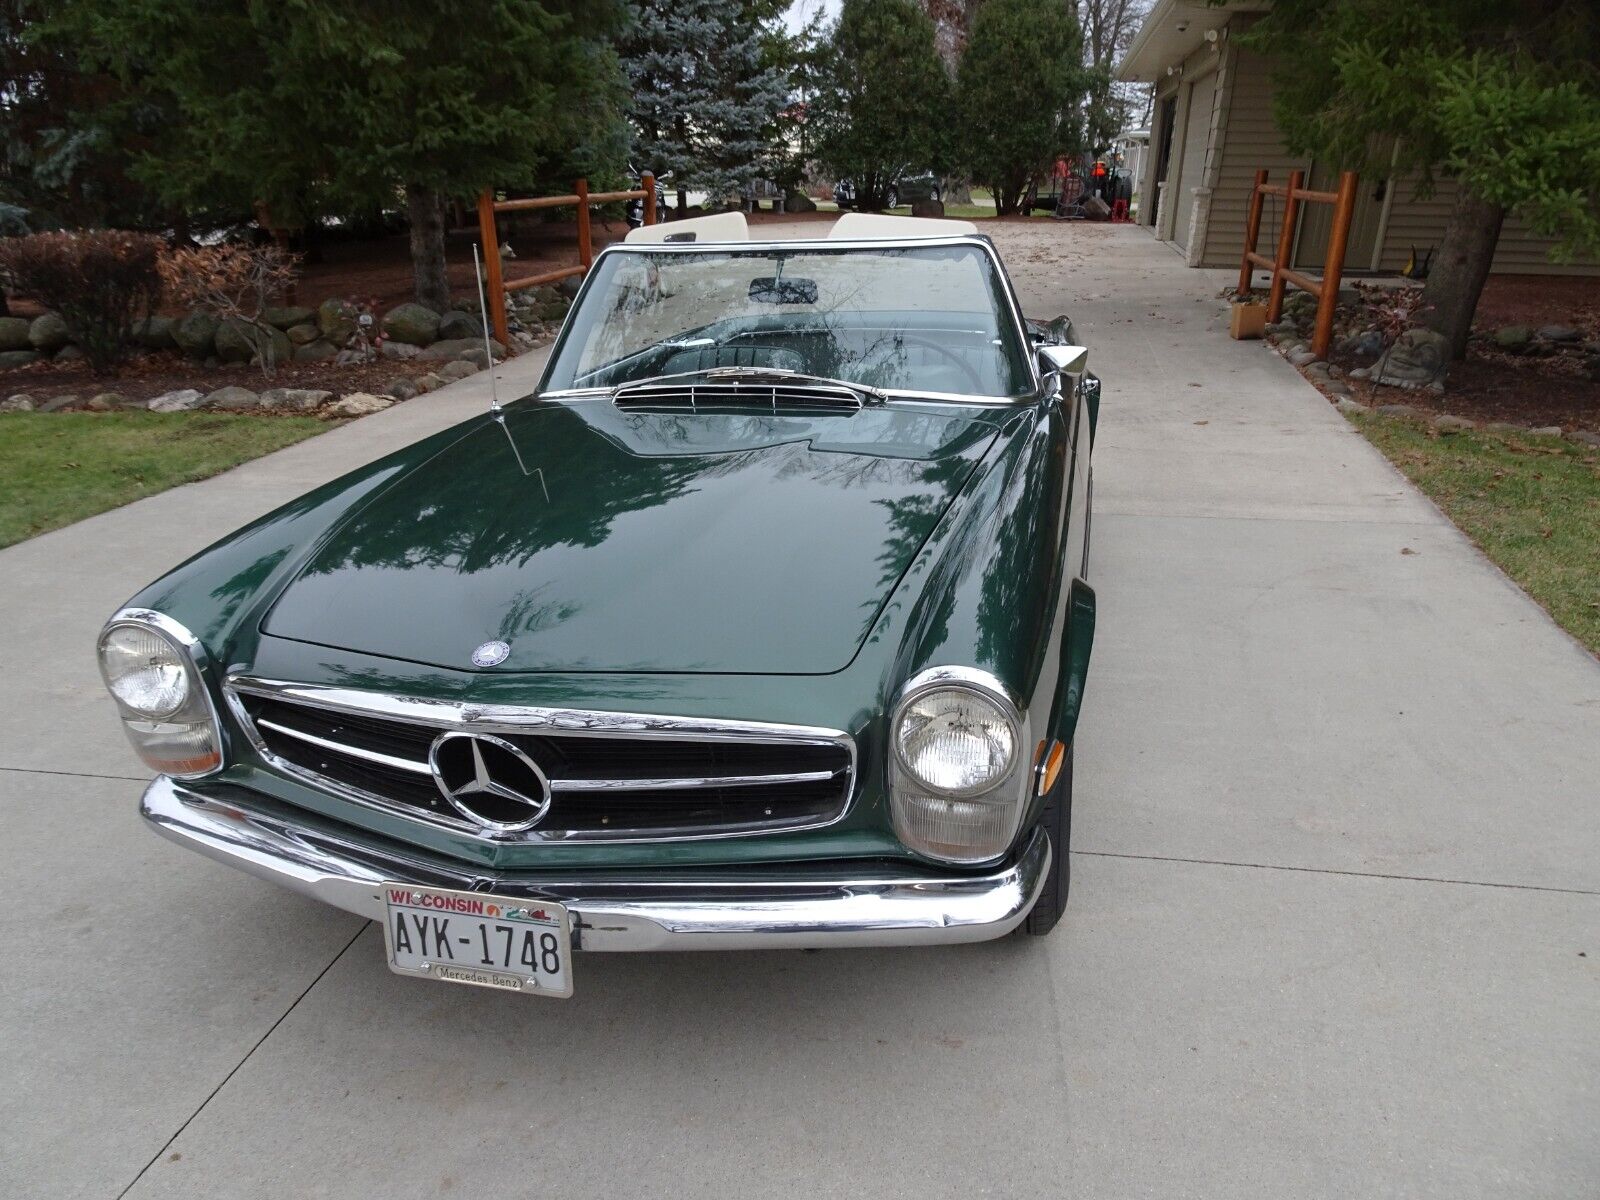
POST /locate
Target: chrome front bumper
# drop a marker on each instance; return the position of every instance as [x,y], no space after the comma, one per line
[885,909]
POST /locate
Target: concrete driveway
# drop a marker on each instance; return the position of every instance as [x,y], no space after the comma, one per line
[1335,927]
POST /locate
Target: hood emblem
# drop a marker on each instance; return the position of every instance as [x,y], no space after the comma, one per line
[491,654]
[489,781]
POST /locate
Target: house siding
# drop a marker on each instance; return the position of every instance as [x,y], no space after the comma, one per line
[1419,221]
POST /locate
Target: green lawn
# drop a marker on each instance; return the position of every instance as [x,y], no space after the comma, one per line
[1531,503]
[58,468]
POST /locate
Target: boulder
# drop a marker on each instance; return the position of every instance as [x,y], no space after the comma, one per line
[57,404]
[1504,427]
[1346,405]
[567,288]
[239,341]
[337,321]
[69,353]
[295,399]
[398,351]
[1449,423]
[155,333]
[358,404]
[17,358]
[1398,410]
[429,382]
[14,334]
[318,351]
[452,371]
[1559,333]
[927,208]
[1303,358]
[110,402]
[48,333]
[195,334]
[303,335]
[288,318]
[185,400]
[456,347]
[411,323]
[1417,358]
[233,399]
[1513,337]
[401,389]
[478,357]
[458,324]
[798,202]
[1546,431]
[1588,437]
[554,311]
[1339,388]
[21,402]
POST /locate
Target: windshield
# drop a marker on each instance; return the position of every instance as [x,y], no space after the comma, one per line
[919,319]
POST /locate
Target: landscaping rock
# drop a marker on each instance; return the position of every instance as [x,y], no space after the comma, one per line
[478,358]
[1513,337]
[457,370]
[1449,423]
[798,202]
[239,341]
[295,399]
[110,402]
[48,333]
[1587,437]
[1505,427]
[555,311]
[318,351]
[1303,357]
[57,404]
[185,400]
[412,323]
[195,334]
[1398,410]
[928,208]
[21,402]
[233,399]
[568,288]
[14,334]
[17,358]
[288,318]
[1417,358]
[458,324]
[429,382]
[401,389]
[155,333]
[1345,405]
[398,351]
[1559,333]
[456,347]
[1361,373]
[1340,388]
[337,320]
[303,335]
[1547,431]
[69,353]
[358,404]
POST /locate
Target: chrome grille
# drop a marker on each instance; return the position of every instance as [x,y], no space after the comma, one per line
[612,776]
[680,396]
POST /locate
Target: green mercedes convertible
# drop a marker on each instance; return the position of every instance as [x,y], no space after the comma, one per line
[763,622]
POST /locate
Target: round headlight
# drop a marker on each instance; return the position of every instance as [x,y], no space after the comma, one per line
[956,742]
[144,671]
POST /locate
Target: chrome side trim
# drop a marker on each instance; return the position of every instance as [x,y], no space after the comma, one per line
[893,907]
[514,719]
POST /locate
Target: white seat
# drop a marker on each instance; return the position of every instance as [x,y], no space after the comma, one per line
[718,227]
[882,225]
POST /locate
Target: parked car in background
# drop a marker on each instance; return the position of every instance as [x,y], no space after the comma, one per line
[763,622]
[906,189]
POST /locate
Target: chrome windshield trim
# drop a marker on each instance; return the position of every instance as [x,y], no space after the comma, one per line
[565,722]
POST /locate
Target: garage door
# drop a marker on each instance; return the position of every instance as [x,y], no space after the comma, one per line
[1192,165]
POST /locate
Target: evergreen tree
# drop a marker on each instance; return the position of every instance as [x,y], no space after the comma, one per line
[1504,99]
[325,103]
[883,104]
[706,91]
[1021,93]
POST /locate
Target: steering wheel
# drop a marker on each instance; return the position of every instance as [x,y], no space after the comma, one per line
[945,351]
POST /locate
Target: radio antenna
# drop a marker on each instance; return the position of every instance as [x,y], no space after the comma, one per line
[483,313]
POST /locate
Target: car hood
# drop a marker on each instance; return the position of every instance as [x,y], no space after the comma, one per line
[589,539]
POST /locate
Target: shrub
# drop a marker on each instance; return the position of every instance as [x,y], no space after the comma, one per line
[233,281]
[98,281]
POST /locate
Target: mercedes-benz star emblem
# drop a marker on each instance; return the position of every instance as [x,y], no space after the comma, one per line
[491,654]
[489,781]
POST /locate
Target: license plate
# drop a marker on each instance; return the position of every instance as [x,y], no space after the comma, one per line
[472,938]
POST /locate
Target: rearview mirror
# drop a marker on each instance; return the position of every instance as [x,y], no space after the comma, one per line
[769,289]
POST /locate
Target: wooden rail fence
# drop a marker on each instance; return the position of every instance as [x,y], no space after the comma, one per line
[1326,289]
[582,198]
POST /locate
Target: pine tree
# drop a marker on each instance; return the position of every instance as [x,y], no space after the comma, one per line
[706,96]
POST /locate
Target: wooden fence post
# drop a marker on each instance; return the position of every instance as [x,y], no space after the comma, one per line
[648,182]
[1291,210]
[1343,211]
[1252,232]
[585,248]
[494,288]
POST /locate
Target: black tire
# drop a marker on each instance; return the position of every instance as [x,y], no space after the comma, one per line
[1056,821]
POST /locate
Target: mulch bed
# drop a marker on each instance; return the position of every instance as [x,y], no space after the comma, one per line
[156,373]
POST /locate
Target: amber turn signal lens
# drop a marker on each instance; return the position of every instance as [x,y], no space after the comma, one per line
[1052,767]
